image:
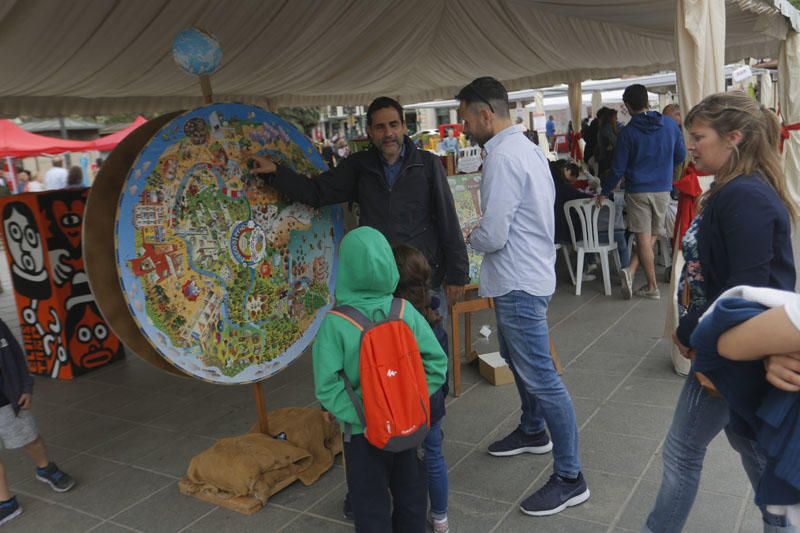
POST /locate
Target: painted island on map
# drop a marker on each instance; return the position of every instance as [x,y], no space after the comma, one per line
[228,280]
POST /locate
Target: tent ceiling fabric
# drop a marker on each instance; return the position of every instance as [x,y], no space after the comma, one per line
[104,56]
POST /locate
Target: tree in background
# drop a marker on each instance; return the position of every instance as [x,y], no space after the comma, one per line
[303,118]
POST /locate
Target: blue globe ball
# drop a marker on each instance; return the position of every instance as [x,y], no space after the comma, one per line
[196,52]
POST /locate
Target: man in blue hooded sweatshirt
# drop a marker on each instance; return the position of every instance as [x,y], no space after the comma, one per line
[647,151]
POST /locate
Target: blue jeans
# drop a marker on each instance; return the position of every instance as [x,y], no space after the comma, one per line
[444,306]
[699,417]
[525,345]
[437,471]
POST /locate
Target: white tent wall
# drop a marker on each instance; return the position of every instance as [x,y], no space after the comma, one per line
[767,90]
[700,45]
[99,57]
[789,100]
[597,102]
[575,97]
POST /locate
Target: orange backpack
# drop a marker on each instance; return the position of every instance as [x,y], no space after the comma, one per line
[394,389]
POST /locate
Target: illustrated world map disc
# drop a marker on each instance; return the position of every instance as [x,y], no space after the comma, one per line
[226,279]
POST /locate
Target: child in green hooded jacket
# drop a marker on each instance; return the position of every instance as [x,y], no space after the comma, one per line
[367,278]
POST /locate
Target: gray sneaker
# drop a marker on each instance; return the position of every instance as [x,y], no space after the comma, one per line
[627,283]
[646,292]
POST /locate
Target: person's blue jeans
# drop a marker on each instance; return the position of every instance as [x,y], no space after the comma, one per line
[699,417]
[437,471]
[525,345]
[622,248]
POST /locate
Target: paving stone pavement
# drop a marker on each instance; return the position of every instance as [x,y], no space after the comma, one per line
[127,433]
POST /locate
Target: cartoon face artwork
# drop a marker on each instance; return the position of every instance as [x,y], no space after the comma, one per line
[69,219]
[27,252]
[90,342]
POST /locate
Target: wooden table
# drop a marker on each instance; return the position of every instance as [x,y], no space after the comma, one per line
[466,308]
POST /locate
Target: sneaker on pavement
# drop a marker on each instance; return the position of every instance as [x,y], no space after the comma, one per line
[58,480]
[9,510]
[555,496]
[518,442]
[647,292]
[589,277]
[627,283]
[439,526]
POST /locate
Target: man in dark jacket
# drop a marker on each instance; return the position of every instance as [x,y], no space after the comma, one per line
[401,191]
[17,426]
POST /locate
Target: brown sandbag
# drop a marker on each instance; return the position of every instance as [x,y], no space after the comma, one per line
[241,473]
[310,429]
[250,465]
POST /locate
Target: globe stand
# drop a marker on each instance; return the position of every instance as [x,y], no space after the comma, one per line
[258,390]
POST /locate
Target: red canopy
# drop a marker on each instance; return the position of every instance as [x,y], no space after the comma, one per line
[107,143]
[16,142]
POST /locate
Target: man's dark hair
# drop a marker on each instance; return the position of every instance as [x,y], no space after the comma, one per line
[636,97]
[486,90]
[382,102]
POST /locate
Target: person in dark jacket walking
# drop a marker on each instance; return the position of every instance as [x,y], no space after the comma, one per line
[17,426]
[401,191]
[646,153]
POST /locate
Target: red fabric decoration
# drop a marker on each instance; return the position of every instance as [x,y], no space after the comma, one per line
[689,191]
[576,153]
[786,130]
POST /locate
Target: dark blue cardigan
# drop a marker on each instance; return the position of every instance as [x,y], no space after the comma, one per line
[759,411]
[744,238]
[16,378]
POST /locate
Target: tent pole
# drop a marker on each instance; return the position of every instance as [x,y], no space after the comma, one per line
[62,126]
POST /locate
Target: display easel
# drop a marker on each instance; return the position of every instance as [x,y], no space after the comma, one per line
[258,390]
[466,308]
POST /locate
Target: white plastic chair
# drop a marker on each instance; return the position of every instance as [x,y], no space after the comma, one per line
[565,253]
[589,241]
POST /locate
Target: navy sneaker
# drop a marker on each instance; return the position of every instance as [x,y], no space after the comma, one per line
[58,480]
[555,496]
[9,510]
[518,442]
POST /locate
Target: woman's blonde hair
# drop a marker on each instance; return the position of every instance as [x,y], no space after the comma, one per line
[758,150]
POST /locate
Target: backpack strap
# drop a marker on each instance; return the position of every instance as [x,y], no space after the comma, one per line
[357,318]
[397,309]
[359,407]
[352,315]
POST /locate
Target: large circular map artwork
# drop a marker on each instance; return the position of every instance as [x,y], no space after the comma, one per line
[227,280]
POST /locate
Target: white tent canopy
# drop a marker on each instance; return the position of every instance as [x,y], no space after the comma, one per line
[99,56]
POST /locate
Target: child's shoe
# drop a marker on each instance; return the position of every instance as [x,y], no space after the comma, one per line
[58,480]
[9,510]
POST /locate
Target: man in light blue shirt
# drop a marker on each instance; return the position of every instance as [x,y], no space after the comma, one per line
[516,233]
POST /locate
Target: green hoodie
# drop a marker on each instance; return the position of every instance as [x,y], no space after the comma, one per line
[366,280]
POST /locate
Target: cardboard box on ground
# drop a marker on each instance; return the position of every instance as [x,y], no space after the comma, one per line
[494,369]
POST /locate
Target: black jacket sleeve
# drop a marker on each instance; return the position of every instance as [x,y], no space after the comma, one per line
[333,186]
[452,242]
[17,366]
